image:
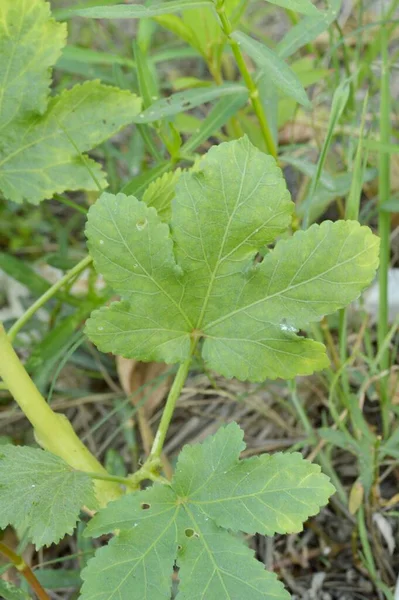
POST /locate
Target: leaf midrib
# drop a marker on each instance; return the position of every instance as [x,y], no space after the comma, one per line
[227,229]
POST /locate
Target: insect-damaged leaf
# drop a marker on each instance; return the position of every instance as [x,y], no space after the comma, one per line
[184,522]
[202,280]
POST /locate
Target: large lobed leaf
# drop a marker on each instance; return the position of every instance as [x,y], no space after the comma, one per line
[212,489]
[203,280]
[40,494]
[41,138]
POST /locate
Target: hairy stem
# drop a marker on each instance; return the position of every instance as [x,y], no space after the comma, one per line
[249,82]
[25,570]
[53,431]
[81,266]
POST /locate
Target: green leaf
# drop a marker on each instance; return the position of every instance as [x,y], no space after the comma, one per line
[215,119]
[219,565]
[137,185]
[30,43]
[206,282]
[58,579]
[160,193]
[41,494]
[302,6]
[307,30]
[265,494]
[323,197]
[49,158]
[8,591]
[340,98]
[42,139]
[187,100]
[137,11]
[184,521]
[139,562]
[273,66]
[390,206]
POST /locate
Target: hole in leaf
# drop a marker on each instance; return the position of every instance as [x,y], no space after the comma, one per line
[191,533]
[145,506]
[141,223]
[179,547]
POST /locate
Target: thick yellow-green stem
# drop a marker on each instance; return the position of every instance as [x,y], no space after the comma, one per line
[53,431]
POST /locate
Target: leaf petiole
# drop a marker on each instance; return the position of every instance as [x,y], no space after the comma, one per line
[23,319]
[151,467]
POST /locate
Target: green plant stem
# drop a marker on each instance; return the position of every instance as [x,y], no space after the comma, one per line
[25,570]
[249,82]
[384,223]
[81,266]
[152,465]
[167,414]
[53,431]
[102,477]
[301,412]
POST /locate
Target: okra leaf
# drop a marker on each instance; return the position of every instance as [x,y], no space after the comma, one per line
[217,565]
[40,494]
[42,139]
[267,494]
[201,279]
[187,522]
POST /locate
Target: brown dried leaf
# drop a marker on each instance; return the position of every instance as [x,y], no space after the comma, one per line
[134,374]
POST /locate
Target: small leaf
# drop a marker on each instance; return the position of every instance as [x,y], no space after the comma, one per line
[307,30]
[41,494]
[183,521]
[137,11]
[183,101]
[160,193]
[273,66]
[205,279]
[305,7]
